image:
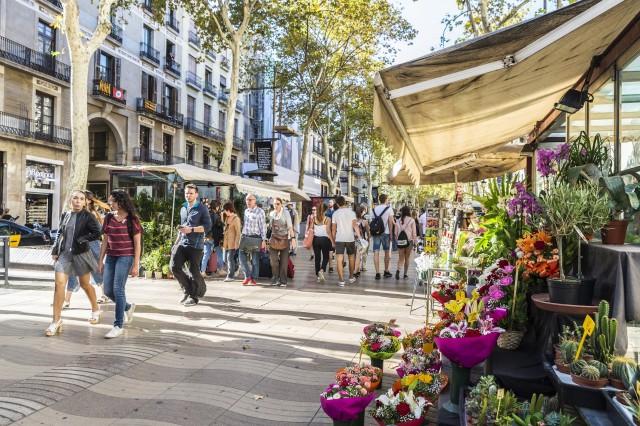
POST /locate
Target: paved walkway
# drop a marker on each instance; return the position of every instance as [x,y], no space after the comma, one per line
[243,356]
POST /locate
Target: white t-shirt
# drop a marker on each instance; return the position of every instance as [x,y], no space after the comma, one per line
[423,220]
[343,218]
[385,217]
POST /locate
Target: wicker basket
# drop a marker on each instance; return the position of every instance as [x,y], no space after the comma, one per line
[510,340]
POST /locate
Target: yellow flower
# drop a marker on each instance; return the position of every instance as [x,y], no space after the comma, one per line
[408,380]
[454,306]
[425,378]
[461,296]
[475,294]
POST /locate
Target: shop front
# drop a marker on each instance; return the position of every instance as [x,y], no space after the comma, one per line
[42,192]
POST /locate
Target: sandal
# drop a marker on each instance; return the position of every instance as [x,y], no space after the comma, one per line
[54,328]
[103,299]
[95,317]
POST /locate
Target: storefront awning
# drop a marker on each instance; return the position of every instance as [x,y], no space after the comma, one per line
[186,171]
[472,98]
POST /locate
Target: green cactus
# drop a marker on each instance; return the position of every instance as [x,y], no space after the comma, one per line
[603,338]
[602,367]
[590,373]
[568,350]
[578,366]
[624,369]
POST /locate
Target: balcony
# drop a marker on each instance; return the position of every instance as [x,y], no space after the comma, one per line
[211,54]
[194,38]
[209,89]
[204,130]
[55,3]
[16,125]
[171,66]
[195,163]
[147,6]
[116,33]
[239,106]
[150,54]
[105,89]
[238,142]
[223,97]
[145,155]
[158,111]
[317,149]
[224,63]
[37,61]
[172,22]
[194,81]
[316,174]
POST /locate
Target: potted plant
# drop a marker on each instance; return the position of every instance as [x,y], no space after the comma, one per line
[380,342]
[624,203]
[368,376]
[564,207]
[587,159]
[481,405]
[426,385]
[623,370]
[147,264]
[166,271]
[539,411]
[603,338]
[593,374]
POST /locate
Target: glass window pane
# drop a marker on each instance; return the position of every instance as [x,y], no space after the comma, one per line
[577,123]
[630,115]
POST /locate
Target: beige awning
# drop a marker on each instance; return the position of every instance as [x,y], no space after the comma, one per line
[186,171]
[465,101]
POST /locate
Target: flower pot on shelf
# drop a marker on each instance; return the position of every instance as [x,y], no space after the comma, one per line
[614,232]
[579,380]
[563,368]
[355,422]
[157,275]
[148,274]
[510,340]
[570,291]
[616,383]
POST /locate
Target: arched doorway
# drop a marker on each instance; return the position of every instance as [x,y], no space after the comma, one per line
[105,147]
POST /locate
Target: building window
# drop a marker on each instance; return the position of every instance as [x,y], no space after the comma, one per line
[205,156]
[234,164]
[193,65]
[208,77]
[170,55]
[191,107]
[147,36]
[46,38]
[149,87]
[222,120]
[190,152]
[223,83]
[167,147]
[107,68]
[170,100]
[235,127]
[207,115]
[629,113]
[43,113]
[98,147]
[145,137]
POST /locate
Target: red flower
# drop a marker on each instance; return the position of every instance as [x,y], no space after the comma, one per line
[539,245]
[472,333]
[502,263]
[403,409]
[375,346]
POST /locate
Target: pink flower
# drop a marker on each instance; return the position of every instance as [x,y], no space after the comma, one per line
[508,269]
[496,293]
[506,280]
[396,332]
[375,346]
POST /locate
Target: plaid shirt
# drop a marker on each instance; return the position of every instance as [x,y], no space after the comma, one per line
[254,223]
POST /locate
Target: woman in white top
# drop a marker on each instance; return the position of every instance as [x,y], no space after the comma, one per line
[365,232]
[321,241]
[406,236]
[281,234]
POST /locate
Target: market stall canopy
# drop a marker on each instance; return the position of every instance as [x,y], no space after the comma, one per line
[476,96]
[260,188]
[186,171]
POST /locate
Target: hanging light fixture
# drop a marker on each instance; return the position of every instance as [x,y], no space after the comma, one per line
[573,100]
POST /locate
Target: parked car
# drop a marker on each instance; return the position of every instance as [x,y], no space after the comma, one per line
[28,236]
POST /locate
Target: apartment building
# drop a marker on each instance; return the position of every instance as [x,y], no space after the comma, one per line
[156,97]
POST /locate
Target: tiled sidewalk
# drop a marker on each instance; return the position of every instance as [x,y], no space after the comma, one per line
[243,356]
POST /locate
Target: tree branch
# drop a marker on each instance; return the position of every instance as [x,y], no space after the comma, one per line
[103,28]
[514,11]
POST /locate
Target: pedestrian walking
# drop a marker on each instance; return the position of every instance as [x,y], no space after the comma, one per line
[252,241]
[322,242]
[72,256]
[213,239]
[120,256]
[195,223]
[365,233]
[406,234]
[380,227]
[231,239]
[309,227]
[94,205]
[343,228]
[331,207]
[281,241]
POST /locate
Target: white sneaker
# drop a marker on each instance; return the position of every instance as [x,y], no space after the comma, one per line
[340,283]
[114,332]
[352,280]
[66,305]
[321,276]
[226,280]
[95,317]
[129,313]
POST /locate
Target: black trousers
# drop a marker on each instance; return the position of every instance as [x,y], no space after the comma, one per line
[321,245]
[192,284]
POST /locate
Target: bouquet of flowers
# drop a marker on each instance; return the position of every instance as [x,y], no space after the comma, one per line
[535,252]
[427,385]
[445,290]
[367,376]
[423,263]
[402,408]
[423,338]
[380,340]
[415,360]
[345,400]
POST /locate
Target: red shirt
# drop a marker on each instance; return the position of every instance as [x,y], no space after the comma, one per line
[119,243]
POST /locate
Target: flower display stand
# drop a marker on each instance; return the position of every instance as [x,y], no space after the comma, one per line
[460,378]
[355,422]
[379,363]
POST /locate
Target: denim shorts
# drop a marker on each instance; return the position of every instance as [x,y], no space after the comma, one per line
[381,240]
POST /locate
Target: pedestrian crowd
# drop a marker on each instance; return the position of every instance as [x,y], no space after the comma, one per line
[101,243]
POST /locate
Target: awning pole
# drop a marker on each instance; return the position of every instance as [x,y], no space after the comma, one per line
[173,207]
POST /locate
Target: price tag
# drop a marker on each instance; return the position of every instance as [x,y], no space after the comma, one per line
[500,394]
[587,330]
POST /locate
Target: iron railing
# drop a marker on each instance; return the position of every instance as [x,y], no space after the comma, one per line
[223,96]
[193,80]
[194,38]
[224,63]
[56,3]
[209,88]
[38,61]
[116,32]
[108,90]
[239,106]
[146,155]
[11,124]
[238,142]
[202,129]
[172,66]
[149,53]
[159,111]
[172,22]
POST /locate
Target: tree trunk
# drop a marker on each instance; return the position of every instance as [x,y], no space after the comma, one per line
[370,183]
[79,122]
[303,154]
[231,113]
[484,17]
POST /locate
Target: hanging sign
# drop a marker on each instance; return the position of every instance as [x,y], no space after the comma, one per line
[264,154]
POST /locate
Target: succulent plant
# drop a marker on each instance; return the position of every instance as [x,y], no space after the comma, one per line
[578,366]
[602,367]
[568,350]
[624,369]
[558,419]
[603,338]
[590,373]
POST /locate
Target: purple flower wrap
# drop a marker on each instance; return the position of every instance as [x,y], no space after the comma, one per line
[498,314]
[346,409]
[467,351]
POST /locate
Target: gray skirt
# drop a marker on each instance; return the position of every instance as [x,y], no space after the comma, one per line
[76,264]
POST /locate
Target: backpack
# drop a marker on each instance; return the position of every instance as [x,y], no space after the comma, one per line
[217,228]
[403,240]
[377,224]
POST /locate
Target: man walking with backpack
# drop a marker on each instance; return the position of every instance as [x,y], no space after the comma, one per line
[380,225]
[343,227]
[195,223]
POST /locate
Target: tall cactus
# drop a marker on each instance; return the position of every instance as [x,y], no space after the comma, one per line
[603,339]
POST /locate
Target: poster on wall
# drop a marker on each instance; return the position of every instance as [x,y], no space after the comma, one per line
[39,175]
[264,154]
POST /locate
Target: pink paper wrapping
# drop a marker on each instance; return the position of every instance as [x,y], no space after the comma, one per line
[467,351]
[498,315]
[346,409]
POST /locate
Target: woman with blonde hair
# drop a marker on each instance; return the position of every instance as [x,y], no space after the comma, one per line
[280,242]
[94,205]
[322,242]
[72,255]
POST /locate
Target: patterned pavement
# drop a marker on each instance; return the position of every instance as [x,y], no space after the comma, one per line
[243,356]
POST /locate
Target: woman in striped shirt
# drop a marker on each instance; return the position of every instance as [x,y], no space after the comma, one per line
[121,245]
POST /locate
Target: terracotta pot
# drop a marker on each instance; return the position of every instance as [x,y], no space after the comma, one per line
[563,368]
[614,232]
[579,380]
[617,384]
